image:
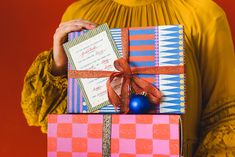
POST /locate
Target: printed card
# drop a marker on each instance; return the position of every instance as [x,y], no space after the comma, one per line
[95,50]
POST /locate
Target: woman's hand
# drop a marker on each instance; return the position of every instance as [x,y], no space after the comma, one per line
[60,59]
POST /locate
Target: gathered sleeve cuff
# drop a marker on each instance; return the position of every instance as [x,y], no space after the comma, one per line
[43,93]
[218,137]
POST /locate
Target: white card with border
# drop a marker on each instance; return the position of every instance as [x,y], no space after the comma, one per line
[94,50]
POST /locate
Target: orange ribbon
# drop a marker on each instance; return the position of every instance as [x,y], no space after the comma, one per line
[137,84]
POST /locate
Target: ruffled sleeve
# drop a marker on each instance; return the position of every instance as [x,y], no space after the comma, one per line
[42,92]
[217,64]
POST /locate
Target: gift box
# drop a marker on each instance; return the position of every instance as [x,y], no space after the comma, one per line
[94,135]
[148,46]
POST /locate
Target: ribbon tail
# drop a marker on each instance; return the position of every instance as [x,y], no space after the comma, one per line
[114,99]
[136,88]
[153,99]
[125,72]
[125,95]
[154,93]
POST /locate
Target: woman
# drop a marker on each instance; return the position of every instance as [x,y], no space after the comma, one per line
[209,122]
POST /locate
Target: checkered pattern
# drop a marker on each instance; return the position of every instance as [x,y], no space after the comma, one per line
[132,136]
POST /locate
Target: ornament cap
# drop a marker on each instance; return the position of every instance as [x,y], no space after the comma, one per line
[144,93]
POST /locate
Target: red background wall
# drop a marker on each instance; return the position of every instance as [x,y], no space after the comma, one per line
[26,28]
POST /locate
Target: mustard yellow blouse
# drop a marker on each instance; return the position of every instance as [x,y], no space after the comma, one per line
[209,122]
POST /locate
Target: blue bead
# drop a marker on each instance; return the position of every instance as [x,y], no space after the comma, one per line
[139,104]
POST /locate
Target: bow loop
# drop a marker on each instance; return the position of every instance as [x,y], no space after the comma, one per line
[122,65]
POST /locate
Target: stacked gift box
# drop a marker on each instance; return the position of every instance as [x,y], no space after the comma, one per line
[105,131]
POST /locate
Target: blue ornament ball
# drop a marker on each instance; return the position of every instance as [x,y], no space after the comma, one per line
[139,104]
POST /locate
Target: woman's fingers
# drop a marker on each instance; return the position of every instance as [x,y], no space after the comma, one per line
[60,36]
[84,23]
[62,31]
[70,26]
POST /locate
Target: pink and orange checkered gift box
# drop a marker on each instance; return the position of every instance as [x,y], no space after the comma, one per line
[131,136]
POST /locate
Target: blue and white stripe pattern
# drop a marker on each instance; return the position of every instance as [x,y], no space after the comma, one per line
[171,53]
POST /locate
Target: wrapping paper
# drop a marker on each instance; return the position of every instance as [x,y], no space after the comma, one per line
[131,136]
[148,46]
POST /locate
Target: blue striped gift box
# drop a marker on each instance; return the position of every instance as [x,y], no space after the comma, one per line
[148,46]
